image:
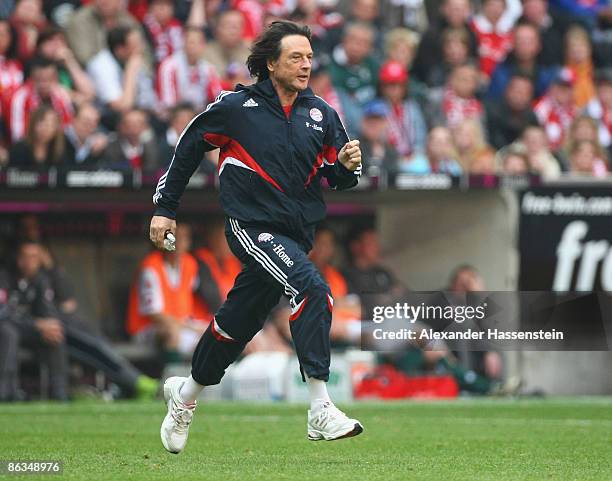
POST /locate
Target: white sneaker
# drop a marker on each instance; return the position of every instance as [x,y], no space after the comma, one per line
[175,427]
[329,423]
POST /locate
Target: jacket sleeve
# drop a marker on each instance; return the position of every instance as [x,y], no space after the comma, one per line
[207,131]
[338,177]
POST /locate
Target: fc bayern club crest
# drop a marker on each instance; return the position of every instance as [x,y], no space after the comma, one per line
[264,237]
[316,115]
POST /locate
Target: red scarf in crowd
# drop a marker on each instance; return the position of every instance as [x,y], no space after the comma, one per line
[457,109]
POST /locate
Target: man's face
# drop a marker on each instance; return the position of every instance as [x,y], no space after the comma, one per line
[535,10]
[44,80]
[526,43]
[464,81]
[456,12]
[229,30]
[194,45]
[493,10]
[181,119]
[562,94]
[357,44]
[108,8]
[292,69]
[29,260]
[519,94]
[365,10]
[162,11]
[86,122]
[133,126]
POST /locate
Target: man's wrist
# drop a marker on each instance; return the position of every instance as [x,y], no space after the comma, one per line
[165,212]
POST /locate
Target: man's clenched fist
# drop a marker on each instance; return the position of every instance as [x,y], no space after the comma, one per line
[159,226]
[350,155]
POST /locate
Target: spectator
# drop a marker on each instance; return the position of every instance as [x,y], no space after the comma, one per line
[508,118]
[455,14]
[28,21]
[368,12]
[400,46]
[321,84]
[600,108]
[256,13]
[514,160]
[163,30]
[459,102]
[162,300]
[366,275]
[539,157]
[523,59]
[346,313]
[584,128]
[44,144]
[378,155]
[187,77]
[325,24]
[406,129]
[455,52]
[180,116]
[41,88]
[556,110]
[588,159]
[354,70]
[85,145]
[218,267]
[52,45]
[578,58]
[28,317]
[89,27]
[440,156]
[119,74]
[494,39]
[228,46]
[134,146]
[473,152]
[552,27]
[11,71]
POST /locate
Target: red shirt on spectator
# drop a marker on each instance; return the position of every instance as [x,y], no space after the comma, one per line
[25,100]
[254,12]
[555,118]
[167,39]
[178,81]
[457,109]
[11,78]
[494,43]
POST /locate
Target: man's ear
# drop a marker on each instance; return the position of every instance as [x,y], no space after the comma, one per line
[271,66]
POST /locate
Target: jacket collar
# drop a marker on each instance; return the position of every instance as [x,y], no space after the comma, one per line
[266,89]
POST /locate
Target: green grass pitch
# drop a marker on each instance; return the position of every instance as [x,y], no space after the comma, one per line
[471,440]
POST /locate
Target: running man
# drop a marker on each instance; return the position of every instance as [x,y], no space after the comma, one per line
[276,141]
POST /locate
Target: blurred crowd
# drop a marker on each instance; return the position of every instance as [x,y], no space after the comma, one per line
[451,86]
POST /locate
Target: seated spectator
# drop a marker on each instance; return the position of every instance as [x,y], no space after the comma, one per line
[41,88]
[368,12]
[28,20]
[163,30]
[324,21]
[11,70]
[513,160]
[52,45]
[455,15]
[186,76]
[540,159]
[406,128]
[508,118]
[89,27]
[473,152]
[354,70]
[552,27]
[134,145]
[455,52]
[400,46]
[587,159]
[122,82]
[440,156]
[180,116]
[44,144]
[378,154]
[579,60]
[218,268]
[459,102]
[524,60]
[366,275]
[556,110]
[493,37]
[321,84]
[346,313]
[162,305]
[600,108]
[85,145]
[584,128]
[228,46]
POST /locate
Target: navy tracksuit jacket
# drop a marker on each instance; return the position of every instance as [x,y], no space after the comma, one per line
[270,169]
